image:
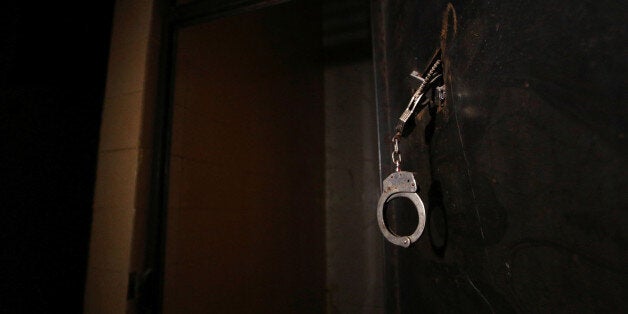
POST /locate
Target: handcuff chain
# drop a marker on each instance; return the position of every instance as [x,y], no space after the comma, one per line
[396,154]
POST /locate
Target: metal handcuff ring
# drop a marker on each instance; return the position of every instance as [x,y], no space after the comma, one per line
[400,184]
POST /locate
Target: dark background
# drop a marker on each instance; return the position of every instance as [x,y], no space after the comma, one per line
[523,170]
[550,195]
[53,61]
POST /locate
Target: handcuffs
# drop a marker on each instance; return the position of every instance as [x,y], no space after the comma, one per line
[402,184]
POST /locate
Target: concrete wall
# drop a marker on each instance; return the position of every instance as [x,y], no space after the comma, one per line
[354,244]
[121,192]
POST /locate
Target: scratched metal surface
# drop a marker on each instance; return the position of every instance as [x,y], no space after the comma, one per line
[524,172]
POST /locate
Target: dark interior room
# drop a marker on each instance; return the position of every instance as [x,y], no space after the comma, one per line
[313,156]
[53,62]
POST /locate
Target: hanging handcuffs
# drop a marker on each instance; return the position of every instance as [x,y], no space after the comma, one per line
[402,183]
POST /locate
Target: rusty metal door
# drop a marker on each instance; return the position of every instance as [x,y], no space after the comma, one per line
[524,169]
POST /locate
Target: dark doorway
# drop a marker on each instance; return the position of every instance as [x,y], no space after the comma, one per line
[245,225]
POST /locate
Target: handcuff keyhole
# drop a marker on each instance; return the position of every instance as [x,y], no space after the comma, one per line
[400,215]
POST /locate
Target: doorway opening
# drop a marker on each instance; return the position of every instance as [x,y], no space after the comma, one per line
[272,134]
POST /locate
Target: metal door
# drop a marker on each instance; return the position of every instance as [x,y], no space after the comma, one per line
[524,169]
